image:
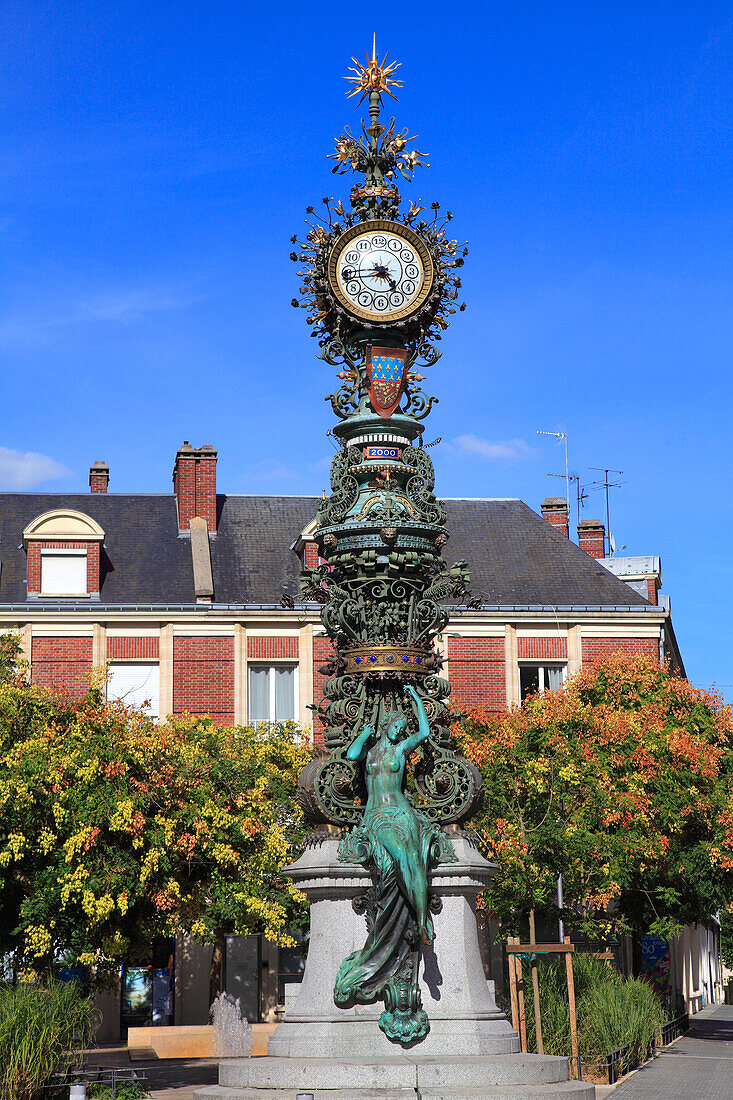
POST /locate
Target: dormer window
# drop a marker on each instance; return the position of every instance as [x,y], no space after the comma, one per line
[63,572]
[63,555]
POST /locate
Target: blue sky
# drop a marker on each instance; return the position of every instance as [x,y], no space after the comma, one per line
[156,159]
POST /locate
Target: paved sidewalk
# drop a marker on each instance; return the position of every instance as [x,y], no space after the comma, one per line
[696,1067]
[168,1079]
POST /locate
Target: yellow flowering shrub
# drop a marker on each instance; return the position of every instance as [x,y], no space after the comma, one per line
[114,830]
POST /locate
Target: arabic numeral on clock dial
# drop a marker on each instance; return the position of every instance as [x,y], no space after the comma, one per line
[378,241]
[380,302]
[352,288]
[411,271]
[409,288]
[365,299]
[407,255]
[396,299]
[352,257]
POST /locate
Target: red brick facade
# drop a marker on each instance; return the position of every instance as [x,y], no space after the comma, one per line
[133,649]
[34,563]
[596,649]
[542,649]
[62,664]
[310,555]
[272,649]
[322,652]
[476,671]
[203,668]
[203,677]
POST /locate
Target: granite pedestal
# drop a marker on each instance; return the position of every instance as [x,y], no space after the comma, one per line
[471,1051]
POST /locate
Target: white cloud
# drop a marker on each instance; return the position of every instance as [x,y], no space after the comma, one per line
[26,471]
[122,306]
[487,448]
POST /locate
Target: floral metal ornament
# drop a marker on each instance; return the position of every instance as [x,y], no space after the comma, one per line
[379,287]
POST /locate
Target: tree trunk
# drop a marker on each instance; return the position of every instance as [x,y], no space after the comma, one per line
[636,955]
[216,971]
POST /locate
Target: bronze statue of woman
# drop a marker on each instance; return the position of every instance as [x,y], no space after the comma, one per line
[399,845]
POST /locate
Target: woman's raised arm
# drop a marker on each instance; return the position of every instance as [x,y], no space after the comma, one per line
[423,726]
[357,748]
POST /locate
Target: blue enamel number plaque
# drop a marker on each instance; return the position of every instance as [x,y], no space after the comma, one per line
[382,452]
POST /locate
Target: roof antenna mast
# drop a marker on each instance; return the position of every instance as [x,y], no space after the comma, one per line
[608,484]
[562,437]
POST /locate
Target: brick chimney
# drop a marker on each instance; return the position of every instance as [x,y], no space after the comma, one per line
[99,477]
[592,537]
[555,511]
[194,484]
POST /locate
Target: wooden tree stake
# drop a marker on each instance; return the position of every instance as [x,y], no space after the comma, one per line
[520,998]
[513,991]
[571,1004]
[535,986]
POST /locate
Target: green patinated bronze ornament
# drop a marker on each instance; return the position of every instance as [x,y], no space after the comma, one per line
[399,845]
[379,289]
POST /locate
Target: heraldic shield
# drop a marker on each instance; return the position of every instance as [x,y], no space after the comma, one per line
[386,374]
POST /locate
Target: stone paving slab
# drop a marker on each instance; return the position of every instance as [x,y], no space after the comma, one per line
[697,1067]
[170,1079]
[575,1090]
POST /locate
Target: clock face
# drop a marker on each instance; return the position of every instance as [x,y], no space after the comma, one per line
[381,271]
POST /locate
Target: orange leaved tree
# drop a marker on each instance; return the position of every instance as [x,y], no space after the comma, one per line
[622,782]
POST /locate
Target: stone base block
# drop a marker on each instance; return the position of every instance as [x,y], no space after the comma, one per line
[400,1071]
[186,1041]
[572,1090]
[361,1038]
[506,1077]
[179,1041]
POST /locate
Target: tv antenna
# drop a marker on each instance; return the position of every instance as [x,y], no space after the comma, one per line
[562,437]
[608,484]
[581,493]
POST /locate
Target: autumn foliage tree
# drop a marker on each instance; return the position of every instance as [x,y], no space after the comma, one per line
[622,782]
[114,831]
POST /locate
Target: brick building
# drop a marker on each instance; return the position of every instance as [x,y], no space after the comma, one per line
[181,593]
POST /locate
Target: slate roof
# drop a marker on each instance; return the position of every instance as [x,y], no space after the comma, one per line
[516,558]
[143,560]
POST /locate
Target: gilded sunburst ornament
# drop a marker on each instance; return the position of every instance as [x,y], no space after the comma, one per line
[375,76]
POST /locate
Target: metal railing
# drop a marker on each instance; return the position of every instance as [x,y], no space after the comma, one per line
[114,1076]
[667,1033]
[615,1063]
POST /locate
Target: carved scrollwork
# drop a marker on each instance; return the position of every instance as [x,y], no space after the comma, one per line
[344,402]
[420,486]
[417,404]
[452,788]
[344,487]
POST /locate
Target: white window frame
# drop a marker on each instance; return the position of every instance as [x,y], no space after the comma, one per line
[272,666]
[65,553]
[152,714]
[541,666]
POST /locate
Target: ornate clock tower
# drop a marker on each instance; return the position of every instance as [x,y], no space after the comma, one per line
[379,286]
[397,1003]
